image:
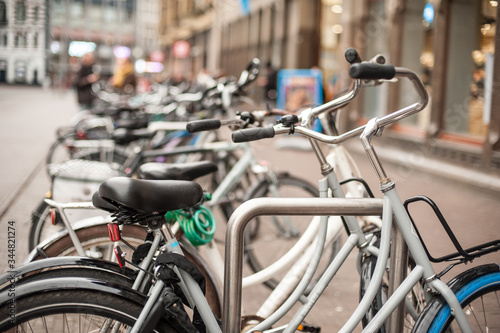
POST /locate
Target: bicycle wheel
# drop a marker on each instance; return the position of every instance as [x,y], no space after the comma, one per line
[95,242]
[268,238]
[74,311]
[367,268]
[63,150]
[478,291]
[415,300]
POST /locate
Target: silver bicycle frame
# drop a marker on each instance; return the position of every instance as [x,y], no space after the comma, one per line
[392,206]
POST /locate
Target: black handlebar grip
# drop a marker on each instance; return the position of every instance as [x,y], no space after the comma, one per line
[352,56]
[203,125]
[372,71]
[253,134]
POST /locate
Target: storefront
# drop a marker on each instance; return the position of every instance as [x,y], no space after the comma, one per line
[450,44]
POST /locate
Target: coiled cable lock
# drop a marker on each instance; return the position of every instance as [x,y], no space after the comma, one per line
[198,226]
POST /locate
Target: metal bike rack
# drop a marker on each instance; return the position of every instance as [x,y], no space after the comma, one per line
[233,271]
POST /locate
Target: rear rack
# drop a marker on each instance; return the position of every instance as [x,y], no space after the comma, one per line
[461,255]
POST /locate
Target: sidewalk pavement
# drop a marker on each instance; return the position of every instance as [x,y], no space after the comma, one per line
[430,164]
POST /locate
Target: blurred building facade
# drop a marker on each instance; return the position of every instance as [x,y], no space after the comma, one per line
[23,41]
[223,35]
[449,43]
[80,26]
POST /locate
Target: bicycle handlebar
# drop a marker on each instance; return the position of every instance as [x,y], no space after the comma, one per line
[372,71]
[244,120]
[252,134]
[381,122]
[203,125]
[352,56]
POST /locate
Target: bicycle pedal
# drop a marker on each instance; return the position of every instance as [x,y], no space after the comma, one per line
[308,328]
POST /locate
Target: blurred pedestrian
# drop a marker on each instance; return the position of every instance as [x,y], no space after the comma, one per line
[83,81]
[124,79]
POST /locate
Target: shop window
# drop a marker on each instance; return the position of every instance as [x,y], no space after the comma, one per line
[469,73]
[375,39]
[331,33]
[58,6]
[417,54]
[20,72]
[76,9]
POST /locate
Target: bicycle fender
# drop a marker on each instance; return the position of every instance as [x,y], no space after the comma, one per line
[71,283]
[61,262]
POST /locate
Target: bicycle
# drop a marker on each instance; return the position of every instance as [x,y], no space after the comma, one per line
[422,262]
[269,184]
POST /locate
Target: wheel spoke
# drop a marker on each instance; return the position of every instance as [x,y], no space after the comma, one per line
[484,315]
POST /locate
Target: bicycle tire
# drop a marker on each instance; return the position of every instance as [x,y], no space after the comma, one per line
[416,296]
[38,217]
[256,237]
[46,311]
[475,289]
[95,235]
[367,268]
[50,159]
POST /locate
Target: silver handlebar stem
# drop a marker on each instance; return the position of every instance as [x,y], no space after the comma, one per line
[308,115]
[338,102]
[375,125]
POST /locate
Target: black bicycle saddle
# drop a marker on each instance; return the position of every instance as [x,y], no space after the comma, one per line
[150,196]
[176,171]
[100,203]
